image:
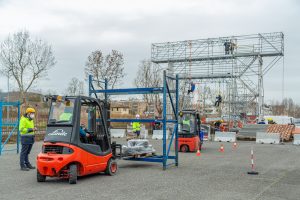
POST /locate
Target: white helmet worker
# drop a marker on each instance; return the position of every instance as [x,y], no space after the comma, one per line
[137,116]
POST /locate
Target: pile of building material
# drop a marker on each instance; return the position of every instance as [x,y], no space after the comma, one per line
[284,130]
[138,147]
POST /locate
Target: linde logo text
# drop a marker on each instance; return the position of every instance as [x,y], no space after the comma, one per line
[58,132]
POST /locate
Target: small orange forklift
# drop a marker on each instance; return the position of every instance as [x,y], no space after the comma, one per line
[69,149]
[190,137]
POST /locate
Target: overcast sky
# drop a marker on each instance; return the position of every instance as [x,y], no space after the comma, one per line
[75,28]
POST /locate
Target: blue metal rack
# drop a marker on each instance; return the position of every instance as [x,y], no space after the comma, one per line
[165,90]
[9,123]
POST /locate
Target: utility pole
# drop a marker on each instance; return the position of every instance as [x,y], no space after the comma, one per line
[7,107]
[260,89]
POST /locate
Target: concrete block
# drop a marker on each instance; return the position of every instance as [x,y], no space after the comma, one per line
[225,136]
[117,133]
[158,134]
[296,139]
[267,138]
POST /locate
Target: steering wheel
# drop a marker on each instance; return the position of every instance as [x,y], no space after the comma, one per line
[89,132]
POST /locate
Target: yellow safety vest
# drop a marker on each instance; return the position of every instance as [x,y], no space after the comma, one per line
[65,116]
[136,126]
[25,125]
[186,122]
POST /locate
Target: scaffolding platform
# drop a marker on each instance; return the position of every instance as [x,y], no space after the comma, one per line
[242,61]
[262,44]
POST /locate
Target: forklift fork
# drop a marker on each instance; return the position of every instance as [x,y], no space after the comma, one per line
[116,154]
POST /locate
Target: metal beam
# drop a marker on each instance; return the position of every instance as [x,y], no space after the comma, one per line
[218,57]
[130,91]
[212,76]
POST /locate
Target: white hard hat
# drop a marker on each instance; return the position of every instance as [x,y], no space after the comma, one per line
[137,116]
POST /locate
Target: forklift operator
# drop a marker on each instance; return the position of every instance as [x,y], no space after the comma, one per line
[83,134]
[186,123]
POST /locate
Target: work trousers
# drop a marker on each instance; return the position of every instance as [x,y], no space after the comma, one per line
[138,133]
[25,151]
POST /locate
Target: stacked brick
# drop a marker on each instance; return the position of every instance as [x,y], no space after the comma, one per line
[284,130]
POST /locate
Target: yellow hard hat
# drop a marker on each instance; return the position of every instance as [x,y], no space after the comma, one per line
[30,110]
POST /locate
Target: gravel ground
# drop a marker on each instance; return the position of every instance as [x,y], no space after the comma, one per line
[213,176]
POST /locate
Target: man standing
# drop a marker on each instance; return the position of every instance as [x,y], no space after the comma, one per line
[27,129]
[136,126]
[227,47]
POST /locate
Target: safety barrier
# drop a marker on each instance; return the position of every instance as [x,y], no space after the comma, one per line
[144,133]
[117,133]
[158,135]
[267,138]
[206,131]
[296,139]
[225,136]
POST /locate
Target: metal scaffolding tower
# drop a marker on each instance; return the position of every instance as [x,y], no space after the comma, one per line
[170,94]
[241,60]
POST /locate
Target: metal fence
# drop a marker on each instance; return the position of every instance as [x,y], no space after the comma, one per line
[11,125]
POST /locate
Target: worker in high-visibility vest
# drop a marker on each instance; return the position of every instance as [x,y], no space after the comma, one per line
[27,130]
[67,114]
[136,126]
[186,124]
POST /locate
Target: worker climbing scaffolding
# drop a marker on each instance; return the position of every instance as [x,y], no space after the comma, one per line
[218,100]
[192,88]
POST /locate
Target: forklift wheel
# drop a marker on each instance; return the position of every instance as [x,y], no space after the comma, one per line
[112,167]
[184,148]
[40,177]
[73,174]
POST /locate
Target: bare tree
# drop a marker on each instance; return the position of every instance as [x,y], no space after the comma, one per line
[27,60]
[286,107]
[76,87]
[108,67]
[149,75]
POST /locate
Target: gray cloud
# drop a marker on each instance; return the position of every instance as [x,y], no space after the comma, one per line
[76,28]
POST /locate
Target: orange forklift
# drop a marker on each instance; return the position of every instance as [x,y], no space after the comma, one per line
[69,149]
[190,136]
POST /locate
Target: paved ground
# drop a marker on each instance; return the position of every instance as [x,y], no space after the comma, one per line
[212,176]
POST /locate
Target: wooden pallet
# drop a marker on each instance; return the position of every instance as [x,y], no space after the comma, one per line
[144,155]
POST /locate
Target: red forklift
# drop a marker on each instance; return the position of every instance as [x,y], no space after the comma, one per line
[69,149]
[190,136]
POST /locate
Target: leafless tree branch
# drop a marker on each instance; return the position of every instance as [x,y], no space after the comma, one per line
[27,60]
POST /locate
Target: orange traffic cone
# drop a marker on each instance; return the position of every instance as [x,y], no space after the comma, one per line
[221,148]
[198,153]
[234,145]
